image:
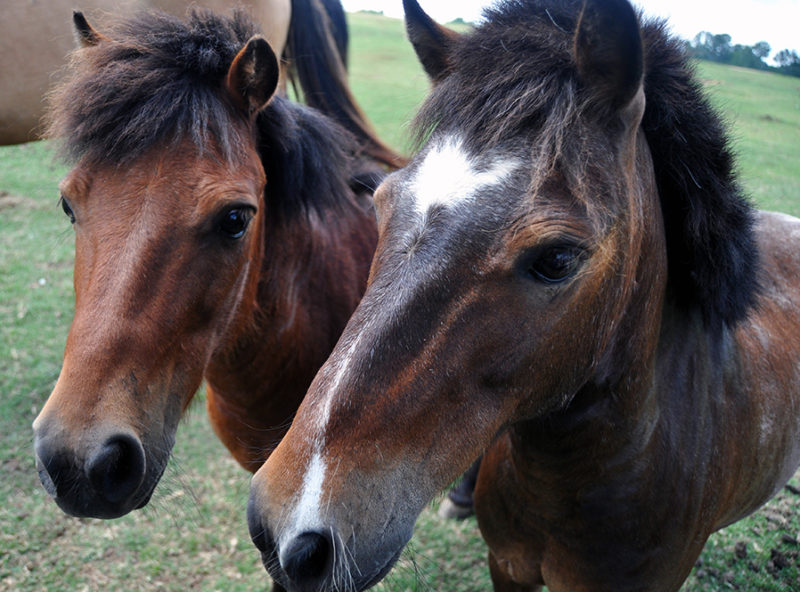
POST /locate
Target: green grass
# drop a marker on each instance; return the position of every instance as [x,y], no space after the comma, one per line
[379,40]
[763,111]
[193,534]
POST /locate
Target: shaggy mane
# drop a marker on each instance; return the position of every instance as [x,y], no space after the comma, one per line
[514,78]
[159,81]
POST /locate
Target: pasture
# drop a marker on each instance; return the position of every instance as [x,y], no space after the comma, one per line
[193,534]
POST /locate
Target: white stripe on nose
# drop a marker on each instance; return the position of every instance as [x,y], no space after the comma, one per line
[447,176]
[306,512]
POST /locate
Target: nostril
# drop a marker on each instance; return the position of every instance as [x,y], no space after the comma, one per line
[44,476]
[257,531]
[117,469]
[308,558]
[53,470]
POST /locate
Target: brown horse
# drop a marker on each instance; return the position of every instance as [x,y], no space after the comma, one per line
[567,277]
[29,67]
[221,233]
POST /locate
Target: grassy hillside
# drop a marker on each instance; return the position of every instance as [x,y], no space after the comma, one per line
[763,111]
[193,534]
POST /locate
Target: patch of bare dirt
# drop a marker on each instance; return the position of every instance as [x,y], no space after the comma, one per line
[8,201]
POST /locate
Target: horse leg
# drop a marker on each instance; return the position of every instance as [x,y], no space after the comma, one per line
[501,580]
[458,504]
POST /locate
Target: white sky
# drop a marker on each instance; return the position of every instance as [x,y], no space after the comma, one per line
[747,21]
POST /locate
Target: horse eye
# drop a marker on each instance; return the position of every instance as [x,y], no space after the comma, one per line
[67,210]
[554,264]
[234,221]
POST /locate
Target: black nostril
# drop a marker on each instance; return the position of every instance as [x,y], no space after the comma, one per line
[116,469]
[54,471]
[308,558]
[257,531]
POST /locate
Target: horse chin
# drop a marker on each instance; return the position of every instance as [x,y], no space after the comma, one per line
[383,571]
[145,501]
[90,507]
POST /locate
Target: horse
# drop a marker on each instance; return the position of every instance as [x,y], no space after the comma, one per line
[568,278]
[222,232]
[29,67]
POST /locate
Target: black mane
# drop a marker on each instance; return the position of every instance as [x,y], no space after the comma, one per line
[160,81]
[310,161]
[515,77]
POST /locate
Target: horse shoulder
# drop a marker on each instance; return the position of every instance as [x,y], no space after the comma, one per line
[768,340]
[730,399]
[768,343]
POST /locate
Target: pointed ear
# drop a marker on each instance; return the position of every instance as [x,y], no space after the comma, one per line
[431,41]
[253,76]
[84,32]
[608,51]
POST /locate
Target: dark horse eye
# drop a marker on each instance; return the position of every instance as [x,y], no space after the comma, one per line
[554,264]
[67,210]
[234,221]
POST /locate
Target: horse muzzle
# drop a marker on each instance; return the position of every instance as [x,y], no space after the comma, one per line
[320,559]
[104,475]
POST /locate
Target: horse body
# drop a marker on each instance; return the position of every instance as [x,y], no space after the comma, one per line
[221,232]
[29,68]
[567,278]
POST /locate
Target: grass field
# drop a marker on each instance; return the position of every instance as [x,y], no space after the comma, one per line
[193,534]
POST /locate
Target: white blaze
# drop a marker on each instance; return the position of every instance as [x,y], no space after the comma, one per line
[306,512]
[449,176]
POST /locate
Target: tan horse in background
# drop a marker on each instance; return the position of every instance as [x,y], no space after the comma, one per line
[36,40]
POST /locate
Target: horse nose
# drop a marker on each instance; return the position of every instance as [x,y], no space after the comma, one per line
[116,469]
[258,533]
[308,560]
[99,478]
[54,471]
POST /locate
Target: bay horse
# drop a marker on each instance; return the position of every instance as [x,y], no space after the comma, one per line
[569,278]
[29,67]
[221,232]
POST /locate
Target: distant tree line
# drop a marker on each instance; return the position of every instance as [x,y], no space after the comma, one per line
[718,48]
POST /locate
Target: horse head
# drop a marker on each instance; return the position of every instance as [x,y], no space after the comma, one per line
[520,263]
[166,201]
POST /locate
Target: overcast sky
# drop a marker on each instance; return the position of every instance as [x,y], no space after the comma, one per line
[747,21]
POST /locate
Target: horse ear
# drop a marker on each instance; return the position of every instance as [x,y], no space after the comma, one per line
[608,51]
[84,32]
[253,76]
[431,40]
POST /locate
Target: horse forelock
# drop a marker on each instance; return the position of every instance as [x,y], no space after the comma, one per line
[515,78]
[157,81]
[514,83]
[508,77]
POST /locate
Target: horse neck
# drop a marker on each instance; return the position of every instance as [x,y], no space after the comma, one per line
[313,270]
[316,234]
[645,437]
[313,276]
